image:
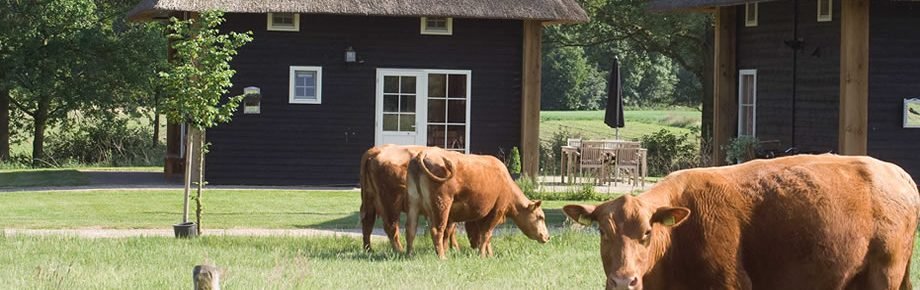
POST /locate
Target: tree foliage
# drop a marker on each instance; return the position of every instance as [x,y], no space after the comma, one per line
[662,55]
[62,56]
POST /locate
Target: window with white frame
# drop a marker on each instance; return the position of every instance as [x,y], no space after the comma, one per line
[283,22]
[306,85]
[751,14]
[747,102]
[825,10]
[437,25]
[448,110]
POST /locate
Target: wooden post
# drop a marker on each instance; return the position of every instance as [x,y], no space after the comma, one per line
[854,77]
[725,101]
[206,277]
[530,97]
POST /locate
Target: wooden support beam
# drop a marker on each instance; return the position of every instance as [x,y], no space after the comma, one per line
[530,97]
[725,100]
[854,77]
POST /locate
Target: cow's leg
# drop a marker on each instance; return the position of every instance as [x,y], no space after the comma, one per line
[888,263]
[472,233]
[450,239]
[391,226]
[485,230]
[368,217]
[411,226]
[438,220]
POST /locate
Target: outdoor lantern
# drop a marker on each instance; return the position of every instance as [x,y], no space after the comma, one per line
[350,55]
[252,100]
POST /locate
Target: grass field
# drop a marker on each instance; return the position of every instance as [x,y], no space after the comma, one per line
[913,114]
[569,261]
[162,208]
[42,177]
[638,123]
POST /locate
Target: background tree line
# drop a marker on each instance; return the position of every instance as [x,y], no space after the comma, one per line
[662,57]
[76,65]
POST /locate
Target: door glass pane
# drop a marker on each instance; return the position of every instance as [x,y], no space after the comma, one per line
[748,83]
[390,122]
[456,137]
[407,104]
[391,103]
[436,135]
[406,123]
[408,85]
[456,112]
[457,84]
[437,85]
[391,84]
[436,111]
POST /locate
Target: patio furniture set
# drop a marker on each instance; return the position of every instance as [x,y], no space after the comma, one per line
[604,160]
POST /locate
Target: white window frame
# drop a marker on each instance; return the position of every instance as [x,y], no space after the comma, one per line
[319,84]
[741,74]
[749,22]
[449,22]
[270,26]
[830,13]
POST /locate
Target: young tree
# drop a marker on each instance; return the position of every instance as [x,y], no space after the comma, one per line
[196,82]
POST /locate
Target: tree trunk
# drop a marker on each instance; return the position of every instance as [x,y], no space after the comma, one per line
[156,120]
[188,171]
[201,151]
[4,124]
[41,121]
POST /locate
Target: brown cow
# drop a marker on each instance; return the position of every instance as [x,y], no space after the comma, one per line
[383,191]
[452,187]
[801,222]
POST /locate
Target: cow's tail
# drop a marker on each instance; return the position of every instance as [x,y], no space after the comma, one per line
[448,166]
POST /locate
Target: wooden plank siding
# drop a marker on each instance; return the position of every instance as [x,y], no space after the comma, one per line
[894,74]
[764,48]
[296,144]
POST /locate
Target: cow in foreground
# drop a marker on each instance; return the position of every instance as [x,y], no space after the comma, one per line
[383,191]
[801,222]
[452,187]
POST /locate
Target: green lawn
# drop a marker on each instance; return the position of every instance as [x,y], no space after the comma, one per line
[569,261]
[638,123]
[162,208]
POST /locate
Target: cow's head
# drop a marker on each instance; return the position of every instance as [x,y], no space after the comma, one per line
[532,221]
[634,236]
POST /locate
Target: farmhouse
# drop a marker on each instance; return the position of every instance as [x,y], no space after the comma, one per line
[818,75]
[327,79]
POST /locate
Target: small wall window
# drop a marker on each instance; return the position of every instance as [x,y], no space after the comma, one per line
[306,85]
[747,102]
[283,22]
[825,10]
[437,25]
[751,14]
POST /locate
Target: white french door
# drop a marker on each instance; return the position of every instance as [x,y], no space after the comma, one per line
[423,107]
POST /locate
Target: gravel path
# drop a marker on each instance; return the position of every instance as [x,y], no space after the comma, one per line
[124,233]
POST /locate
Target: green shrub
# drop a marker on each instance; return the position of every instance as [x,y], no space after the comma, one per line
[584,192]
[514,161]
[741,149]
[669,152]
[103,142]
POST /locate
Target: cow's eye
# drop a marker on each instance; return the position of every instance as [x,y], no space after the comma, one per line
[647,236]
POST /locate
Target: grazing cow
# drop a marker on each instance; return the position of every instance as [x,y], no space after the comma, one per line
[453,187]
[800,222]
[383,191]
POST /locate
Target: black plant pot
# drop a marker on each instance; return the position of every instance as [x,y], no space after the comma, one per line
[186,230]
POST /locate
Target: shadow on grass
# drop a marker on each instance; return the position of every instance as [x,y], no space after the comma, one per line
[37,178]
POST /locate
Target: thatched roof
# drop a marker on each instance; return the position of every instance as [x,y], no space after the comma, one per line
[545,10]
[668,5]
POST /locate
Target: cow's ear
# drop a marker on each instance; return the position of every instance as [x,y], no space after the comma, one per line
[670,216]
[534,205]
[581,213]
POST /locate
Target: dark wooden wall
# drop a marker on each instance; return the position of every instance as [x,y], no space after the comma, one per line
[294,144]
[764,48]
[894,74]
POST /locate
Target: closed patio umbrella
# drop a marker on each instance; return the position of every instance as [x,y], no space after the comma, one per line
[614,113]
